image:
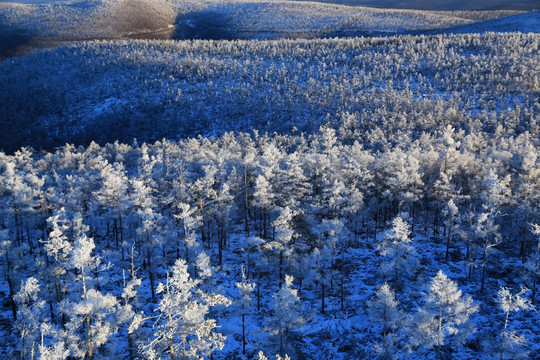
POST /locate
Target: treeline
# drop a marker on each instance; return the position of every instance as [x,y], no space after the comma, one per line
[133,250]
[108,91]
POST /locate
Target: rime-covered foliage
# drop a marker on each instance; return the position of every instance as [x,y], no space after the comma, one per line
[383,310]
[182,329]
[444,319]
[399,256]
[510,344]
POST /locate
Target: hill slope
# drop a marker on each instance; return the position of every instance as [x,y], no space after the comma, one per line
[106,91]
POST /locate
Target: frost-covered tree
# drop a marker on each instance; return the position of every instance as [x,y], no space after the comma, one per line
[81,255]
[30,310]
[261,356]
[114,196]
[127,311]
[58,350]
[182,329]
[59,249]
[245,288]
[333,243]
[398,251]
[445,317]
[532,266]
[287,311]
[487,238]
[451,214]
[148,224]
[283,226]
[510,344]
[91,322]
[383,310]
[91,314]
[190,222]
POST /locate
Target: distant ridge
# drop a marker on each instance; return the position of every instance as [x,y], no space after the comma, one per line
[526,23]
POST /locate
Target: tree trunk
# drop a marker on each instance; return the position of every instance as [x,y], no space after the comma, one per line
[246,204]
[322,293]
[11,300]
[244,334]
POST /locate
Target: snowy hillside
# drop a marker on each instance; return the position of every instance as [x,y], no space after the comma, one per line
[150,89]
[525,22]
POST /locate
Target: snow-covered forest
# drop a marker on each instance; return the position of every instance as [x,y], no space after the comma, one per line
[283,194]
[282,243]
[376,89]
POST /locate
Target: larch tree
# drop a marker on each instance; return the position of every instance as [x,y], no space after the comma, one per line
[59,249]
[245,288]
[191,220]
[127,311]
[445,317]
[147,231]
[383,310]
[91,322]
[182,329]
[114,196]
[91,314]
[287,311]
[30,311]
[495,195]
[398,252]
[510,344]
[451,214]
[58,350]
[487,237]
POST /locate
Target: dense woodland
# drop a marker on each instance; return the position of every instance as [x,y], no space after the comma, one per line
[132,250]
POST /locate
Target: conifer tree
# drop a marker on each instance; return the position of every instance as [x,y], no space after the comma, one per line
[511,345]
[444,319]
[287,311]
[182,329]
[30,314]
[245,288]
[383,309]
